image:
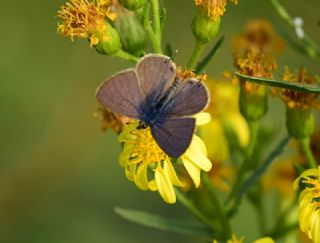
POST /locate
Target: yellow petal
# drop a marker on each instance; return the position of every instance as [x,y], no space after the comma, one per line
[239,125]
[164,186]
[130,171]
[125,154]
[168,168]
[264,240]
[202,118]
[196,153]
[214,137]
[152,185]
[315,226]
[193,170]
[306,173]
[126,134]
[140,178]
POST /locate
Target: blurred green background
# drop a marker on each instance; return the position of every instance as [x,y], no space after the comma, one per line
[59,175]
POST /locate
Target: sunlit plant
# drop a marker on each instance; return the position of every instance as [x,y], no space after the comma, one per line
[198,141]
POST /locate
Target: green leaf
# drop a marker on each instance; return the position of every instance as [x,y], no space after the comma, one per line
[282,84]
[264,166]
[161,223]
[211,54]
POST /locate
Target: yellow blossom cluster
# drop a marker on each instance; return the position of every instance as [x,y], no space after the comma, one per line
[152,169]
[85,19]
[213,8]
[299,100]
[309,205]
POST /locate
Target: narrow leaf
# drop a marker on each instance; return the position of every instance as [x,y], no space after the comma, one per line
[211,54]
[161,223]
[282,84]
[264,166]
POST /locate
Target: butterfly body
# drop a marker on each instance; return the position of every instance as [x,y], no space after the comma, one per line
[152,111]
[159,99]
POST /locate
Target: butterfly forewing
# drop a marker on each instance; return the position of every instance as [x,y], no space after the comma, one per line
[156,74]
[121,93]
[191,98]
[174,135]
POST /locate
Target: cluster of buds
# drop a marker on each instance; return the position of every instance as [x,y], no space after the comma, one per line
[206,22]
[254,55]
[108,26]
[300,119]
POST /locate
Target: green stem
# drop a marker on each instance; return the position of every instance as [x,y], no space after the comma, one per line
[226,227]
[305,146]
[194,59]
[126,56]
[310,46]
[189,205]
[154,34]
[247,164]
[157,24]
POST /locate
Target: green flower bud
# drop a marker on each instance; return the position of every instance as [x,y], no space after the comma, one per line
[300,123]
[132,34]
[108,40]
[204,28]
[133,4]
[253,105]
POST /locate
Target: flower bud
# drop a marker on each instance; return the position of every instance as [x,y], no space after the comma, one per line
[204,28]
[300,123]
[133,4]
[106,42]
[253,105]
[132,34]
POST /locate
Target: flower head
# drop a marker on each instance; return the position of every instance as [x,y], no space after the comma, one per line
[254,55]
[299,100]
[85,19]
[241,240]
[152,169]
[309,204]
[255,50]
[109,119]
[213,8]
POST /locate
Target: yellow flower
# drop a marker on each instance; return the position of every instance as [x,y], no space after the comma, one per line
[152,169]
[225,113]
[255,50]
[254,55]
[85,19]
[213,8]
[109,119]
[241,240]
[295,99]
[309,204]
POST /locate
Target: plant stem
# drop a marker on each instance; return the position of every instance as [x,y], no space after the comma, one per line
[305,146]
[247,164]
[154,34]
[310,46]
[225,225]
[126,56]
[189,205]
[194,59]
[157,23]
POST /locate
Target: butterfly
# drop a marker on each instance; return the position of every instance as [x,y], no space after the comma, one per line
[153,94]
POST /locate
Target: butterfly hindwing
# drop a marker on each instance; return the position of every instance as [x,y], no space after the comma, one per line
[121,93]
[192,97]
[174,135]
